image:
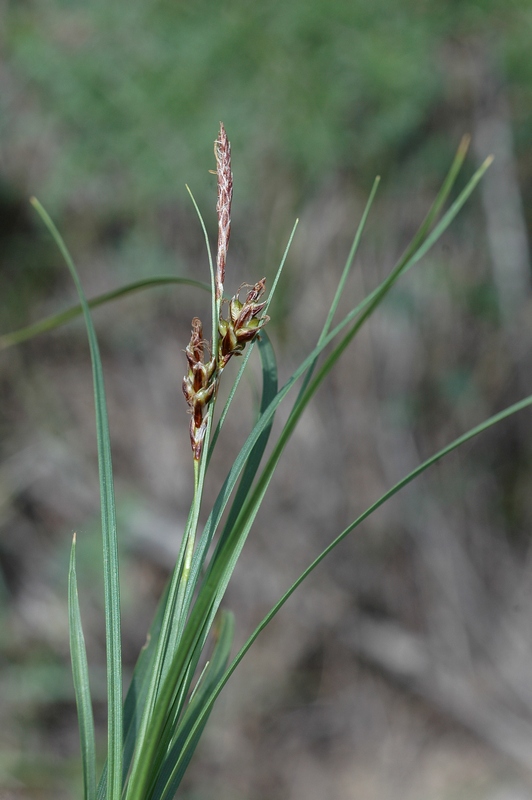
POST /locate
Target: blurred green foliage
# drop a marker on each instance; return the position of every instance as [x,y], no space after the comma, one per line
[130,92]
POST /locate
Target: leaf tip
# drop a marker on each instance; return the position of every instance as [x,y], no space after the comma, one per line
[465,141]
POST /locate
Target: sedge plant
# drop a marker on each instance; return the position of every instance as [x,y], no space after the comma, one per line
[153,732]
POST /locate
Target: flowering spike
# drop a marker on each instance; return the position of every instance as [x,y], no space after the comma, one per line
[222,151]
[243,324]
[199,385]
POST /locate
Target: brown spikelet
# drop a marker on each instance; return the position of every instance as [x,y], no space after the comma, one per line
[199,386]
[222,151]
[243,325]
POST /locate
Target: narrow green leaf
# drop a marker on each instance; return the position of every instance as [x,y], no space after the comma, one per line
[144,714]
[136,694]
[269,391]
[495,419]
[110,549]
[56,320]
[137,691]
[343,279]
[80,674]
[144,770]
[350,258]
[173,769]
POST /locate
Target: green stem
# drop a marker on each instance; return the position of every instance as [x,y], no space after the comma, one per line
[189,547]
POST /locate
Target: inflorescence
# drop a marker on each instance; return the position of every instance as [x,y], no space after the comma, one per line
[243,324]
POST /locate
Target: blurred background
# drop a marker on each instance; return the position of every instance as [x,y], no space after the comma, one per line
[402,669]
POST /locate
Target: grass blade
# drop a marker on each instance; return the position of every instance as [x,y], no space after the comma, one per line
[341,284]
[110,548]
[80,674]
[269,391]
[171,773]
[56,320]
[350,258]
[136,695]
[494,420]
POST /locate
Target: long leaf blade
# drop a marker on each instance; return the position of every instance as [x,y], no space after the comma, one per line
[109,537]
[171,775]
[136,694]
[473,432]
[56,320]
[80,674]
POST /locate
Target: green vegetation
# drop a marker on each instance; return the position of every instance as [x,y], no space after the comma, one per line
[129,90]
